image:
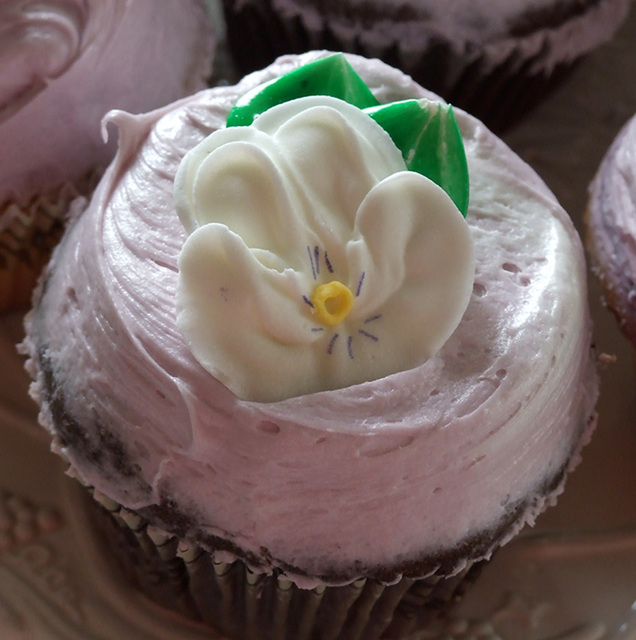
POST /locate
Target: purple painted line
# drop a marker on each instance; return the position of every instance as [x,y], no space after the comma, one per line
[360,284]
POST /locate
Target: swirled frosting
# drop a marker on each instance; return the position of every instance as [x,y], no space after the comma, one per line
[437,463]
[65,63]
[611,227]
[38,42]
[308,232]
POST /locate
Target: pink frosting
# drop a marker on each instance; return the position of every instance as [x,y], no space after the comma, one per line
[376,474]
[612,226]
[65,63]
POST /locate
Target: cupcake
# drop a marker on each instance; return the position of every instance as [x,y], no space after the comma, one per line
[493,59]
[611,228]
[320,345]
[64,64]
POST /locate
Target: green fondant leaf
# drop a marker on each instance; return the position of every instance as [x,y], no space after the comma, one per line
[331,76]
[427,134]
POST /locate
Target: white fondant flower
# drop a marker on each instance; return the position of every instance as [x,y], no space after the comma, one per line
[314,260]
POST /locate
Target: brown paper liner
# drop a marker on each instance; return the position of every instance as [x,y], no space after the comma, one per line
[500,95]
[29,237]
[244,605]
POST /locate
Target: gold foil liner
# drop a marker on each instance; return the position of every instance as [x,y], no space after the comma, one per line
[244,605]
[28,235]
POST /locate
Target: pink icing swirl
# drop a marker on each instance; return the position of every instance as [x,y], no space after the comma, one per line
[38,42]
[65,63]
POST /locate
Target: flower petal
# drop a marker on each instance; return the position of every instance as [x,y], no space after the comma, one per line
[418,257]
[360,153]
[234,179]
[223,285]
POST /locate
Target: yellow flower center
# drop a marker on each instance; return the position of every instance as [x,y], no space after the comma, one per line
[332,302]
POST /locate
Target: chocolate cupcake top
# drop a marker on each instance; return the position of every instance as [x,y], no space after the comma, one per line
[465,23]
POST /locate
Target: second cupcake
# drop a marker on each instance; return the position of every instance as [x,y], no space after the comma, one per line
[64,64]
[496,60]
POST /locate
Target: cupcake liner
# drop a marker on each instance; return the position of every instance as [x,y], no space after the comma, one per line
[242,604]
[28,235]
[497,90]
